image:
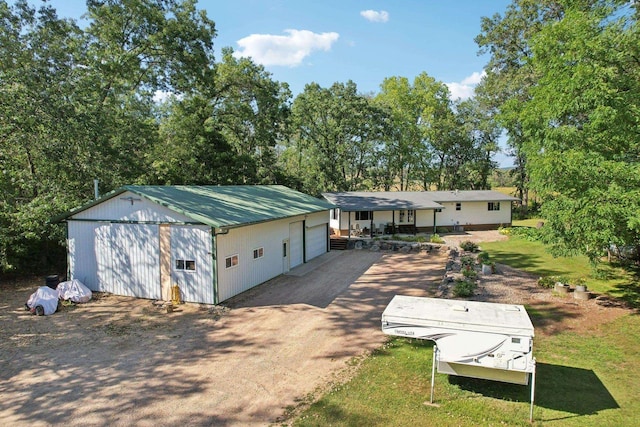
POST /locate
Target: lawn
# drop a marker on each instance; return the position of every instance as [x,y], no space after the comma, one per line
[589,378]
[582,380]
[532,257]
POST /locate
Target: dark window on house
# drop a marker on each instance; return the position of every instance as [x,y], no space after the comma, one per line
[231,261]
[364,215]
[459,206]
[179,264]
[258,253]
[284,249]
[335,213]
[494,206]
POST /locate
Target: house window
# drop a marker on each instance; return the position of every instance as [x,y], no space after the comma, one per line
[405,217]
[258,253]
[494,206]
[459,206]
[363,215]
[231,261]
[185,264]
[335,213]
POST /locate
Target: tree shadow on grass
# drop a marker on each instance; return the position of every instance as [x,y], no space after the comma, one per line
[560,388]
[629,292]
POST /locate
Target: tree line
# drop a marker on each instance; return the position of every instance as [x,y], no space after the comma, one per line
[136,96]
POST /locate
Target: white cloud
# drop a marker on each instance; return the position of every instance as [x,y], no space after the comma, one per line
[289,50]
[466,87]
[375,16]
[474,78]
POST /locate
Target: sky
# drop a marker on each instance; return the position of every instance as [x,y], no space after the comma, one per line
[328,41]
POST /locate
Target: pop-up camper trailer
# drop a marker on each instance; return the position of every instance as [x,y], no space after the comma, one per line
[473,339]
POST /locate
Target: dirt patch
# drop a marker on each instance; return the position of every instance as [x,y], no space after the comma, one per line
[455,239]
[125,361]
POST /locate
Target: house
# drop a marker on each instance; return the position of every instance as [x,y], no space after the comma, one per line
[213,241]
[370,213]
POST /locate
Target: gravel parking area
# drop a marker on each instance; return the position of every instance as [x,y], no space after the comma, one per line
[124,361]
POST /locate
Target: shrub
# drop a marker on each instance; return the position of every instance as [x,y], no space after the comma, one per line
[528,233]
[505,230]
[467,261]
[435,238]
[463,288]
[547,282]
[469,246]
[483,258]
[469,273]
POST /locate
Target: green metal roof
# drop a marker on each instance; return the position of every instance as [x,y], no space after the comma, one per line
[223,206]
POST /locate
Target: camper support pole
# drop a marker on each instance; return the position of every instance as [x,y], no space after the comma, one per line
[433,371]
[533,389]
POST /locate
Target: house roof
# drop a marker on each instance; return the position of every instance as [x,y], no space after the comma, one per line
[393,200]
[223,206]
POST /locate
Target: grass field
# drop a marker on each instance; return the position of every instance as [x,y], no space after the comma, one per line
[582,380]
[589,378]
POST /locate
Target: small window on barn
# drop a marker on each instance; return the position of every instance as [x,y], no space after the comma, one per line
[188,264]
[459,206]
[363,215]
[258,253]
[231,261]
[494,206]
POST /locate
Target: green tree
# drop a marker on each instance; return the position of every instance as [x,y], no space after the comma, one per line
[581,127]
[510,73]
[77,104]
[335,136]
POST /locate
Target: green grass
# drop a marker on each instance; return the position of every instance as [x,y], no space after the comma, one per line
[582,380]
[531,222]
[533,258]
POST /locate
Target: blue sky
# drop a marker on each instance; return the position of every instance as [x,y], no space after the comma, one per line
[329,41]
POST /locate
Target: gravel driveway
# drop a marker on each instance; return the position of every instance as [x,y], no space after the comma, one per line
[124,361]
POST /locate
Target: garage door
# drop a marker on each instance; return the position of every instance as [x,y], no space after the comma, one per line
[128,260]
[316,241]
[295,242]
[191,263]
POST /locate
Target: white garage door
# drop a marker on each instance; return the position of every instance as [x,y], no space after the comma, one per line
[128,260]
[295,244]
[191,263]
[316,241]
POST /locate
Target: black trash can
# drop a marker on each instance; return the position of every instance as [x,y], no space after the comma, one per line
[52,281]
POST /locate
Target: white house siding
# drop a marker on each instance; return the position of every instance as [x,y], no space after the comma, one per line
[189,242]
[473,213]
[296,255]
[424,218]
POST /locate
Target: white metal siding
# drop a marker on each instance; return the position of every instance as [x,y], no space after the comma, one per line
[316,241]
[127,260]
[295,242]
[193,243]
[124,210]
[249,272]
